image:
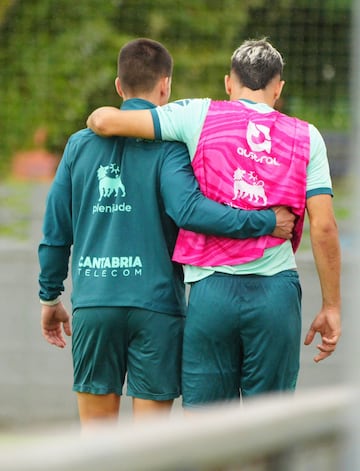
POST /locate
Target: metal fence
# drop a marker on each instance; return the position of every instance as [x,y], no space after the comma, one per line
[279,433]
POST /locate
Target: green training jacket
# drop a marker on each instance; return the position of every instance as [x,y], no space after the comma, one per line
[114,205]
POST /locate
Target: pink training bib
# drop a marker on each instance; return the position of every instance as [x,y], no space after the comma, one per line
[247,160]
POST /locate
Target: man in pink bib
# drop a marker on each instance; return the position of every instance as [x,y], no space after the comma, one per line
[243,327]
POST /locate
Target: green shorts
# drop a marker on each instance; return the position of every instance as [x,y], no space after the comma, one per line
[110,342]
[242,337]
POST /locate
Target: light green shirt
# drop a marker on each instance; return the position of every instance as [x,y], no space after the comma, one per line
[183,121]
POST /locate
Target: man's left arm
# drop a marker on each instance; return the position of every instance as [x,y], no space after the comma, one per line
[55,321]
[326,251]
[54,252]
[110,121]
[55,246]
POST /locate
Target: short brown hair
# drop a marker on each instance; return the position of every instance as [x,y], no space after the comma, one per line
[141,63]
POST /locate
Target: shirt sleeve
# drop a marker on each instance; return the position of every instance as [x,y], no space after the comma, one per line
[55,246]
[191,210]
[318,179]
[181,121]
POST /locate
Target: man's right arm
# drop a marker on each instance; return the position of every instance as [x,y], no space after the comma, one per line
[191,210]
[285,221]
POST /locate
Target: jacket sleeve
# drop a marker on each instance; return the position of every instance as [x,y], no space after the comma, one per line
[191,210]
[55,246]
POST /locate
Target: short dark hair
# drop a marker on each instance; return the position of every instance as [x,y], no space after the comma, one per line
[141,63]
[256,62]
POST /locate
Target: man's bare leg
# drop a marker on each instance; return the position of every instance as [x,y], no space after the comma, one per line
[143,408]
[97,408]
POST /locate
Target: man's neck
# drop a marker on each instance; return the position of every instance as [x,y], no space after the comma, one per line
[255,96]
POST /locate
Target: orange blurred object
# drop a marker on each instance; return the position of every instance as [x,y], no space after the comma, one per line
[36,164]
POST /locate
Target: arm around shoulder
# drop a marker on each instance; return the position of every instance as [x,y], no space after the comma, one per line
[110,121]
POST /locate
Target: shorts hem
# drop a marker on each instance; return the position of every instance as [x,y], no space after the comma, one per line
[153,397]
[197,405]
[96,391]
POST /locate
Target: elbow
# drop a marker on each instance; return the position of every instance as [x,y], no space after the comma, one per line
[97,123]
[184,222]
[326,230]
[327,227]
[188,220]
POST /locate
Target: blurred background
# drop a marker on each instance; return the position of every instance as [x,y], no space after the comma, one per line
[58,62]
[58,59]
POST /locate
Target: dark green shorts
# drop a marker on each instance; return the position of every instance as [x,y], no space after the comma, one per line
[110,342]
[242,337]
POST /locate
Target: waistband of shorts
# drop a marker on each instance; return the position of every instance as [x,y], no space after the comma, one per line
[284,273]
